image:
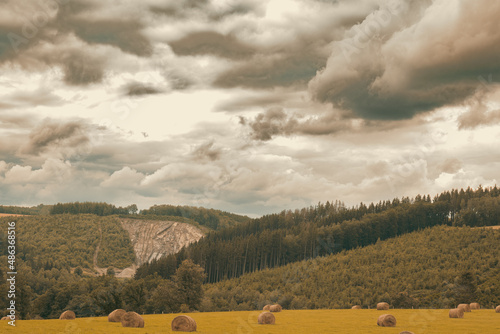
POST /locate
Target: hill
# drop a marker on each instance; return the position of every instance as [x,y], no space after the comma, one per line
[65,241]
[211,218]
[279,239]
[431,268]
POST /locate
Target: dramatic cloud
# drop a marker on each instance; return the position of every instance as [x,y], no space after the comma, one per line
[81,70]
[137,89]
[266,71]
[276,122]
[251,106]
[212,43]
[50,134]
[410,57]
[52,170]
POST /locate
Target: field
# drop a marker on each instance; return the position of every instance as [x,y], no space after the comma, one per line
[287,322]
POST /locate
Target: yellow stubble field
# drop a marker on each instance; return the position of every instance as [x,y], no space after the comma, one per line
[287,322]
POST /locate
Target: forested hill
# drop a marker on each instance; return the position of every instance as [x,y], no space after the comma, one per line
[210,218]
[46,242]
[278,239]
[438,267]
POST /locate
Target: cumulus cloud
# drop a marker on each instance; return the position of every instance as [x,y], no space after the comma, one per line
[52,134]
[52,170]
[36,34]
[411,57]
[125,178]
[277,122]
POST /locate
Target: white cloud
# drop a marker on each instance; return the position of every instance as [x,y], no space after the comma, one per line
[52,171]
[125,178]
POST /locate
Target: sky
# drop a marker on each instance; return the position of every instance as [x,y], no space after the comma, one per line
[248,106]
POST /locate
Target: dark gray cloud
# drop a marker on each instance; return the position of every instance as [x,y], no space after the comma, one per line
[208,151]
[397,63]
[51,134]
[476,118]
[267,71]
[45,37]
[248,102]
[175,9]
[211,43]
[276,122]
[138,89]
[122,32]
[125,35]
[82,69]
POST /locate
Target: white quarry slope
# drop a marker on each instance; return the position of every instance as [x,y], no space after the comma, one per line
[153,239]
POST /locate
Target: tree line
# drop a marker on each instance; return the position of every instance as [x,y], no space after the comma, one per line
[211,218]
[46,294]
[96,208]
[290,236]
[437,267]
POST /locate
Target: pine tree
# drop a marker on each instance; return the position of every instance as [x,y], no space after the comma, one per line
[465,288]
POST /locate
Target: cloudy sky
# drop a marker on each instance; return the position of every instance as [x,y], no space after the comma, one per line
[250,106]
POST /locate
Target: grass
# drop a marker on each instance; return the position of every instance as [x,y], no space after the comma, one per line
[287,322]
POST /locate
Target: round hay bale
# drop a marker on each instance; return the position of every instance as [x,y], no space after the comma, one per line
[275,308]
[5,318]
[456,313]
[382,306]
[183,323]
[266,308]
[356,307]
[464,307]
[497,309]
[132,319]
[266,318]
[67,315]
[116,315]
[386,320]
[475,306]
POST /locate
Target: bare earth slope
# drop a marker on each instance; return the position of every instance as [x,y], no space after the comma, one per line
[152,239]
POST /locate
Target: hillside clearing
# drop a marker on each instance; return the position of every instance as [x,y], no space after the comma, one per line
[303,321]
[491,227]
[10,214]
